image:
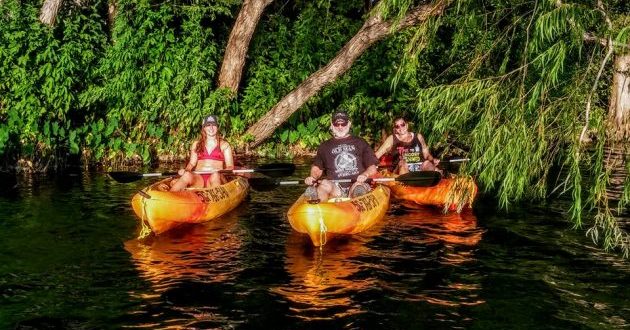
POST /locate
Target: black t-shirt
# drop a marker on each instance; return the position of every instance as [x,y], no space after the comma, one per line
[344,158]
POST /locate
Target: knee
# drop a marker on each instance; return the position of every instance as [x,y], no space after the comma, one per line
[427,165]
[187,177]
[325,186]
[360,189]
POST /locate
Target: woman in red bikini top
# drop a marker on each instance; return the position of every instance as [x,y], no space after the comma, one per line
[209,153]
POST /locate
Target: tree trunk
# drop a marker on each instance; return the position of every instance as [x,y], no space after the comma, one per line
[112,10]
[373,30]
[49,12]
[619,110]
[238,43]
[618,146]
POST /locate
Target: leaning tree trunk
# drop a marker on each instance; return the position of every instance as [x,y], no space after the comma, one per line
[238,43]
[48,14]
[112,11]
[373,30]
[618,147]
[619,110]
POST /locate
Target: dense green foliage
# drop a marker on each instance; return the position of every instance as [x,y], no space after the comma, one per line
[506,81]
[138,89]
[515,83]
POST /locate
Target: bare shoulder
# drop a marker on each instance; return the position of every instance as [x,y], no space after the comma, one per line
[194,145]
[225,145]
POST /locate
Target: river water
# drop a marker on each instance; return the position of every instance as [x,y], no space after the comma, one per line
[69,259]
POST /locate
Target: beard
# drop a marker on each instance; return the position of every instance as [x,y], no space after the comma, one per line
[341,131]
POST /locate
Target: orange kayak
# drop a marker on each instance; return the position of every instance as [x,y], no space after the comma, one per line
[340,216]
[163,210]
[452,194]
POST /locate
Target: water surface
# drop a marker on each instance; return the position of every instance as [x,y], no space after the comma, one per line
[69,259]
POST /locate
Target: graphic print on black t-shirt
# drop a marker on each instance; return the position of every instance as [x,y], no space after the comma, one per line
[345,160]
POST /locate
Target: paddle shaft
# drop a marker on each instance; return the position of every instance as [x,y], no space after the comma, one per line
[294,182]
[272,170]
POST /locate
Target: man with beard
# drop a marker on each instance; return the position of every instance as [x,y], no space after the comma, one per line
[344,156]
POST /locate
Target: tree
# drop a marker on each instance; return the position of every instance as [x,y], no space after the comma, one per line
[523,84]
[374,29]
[238,43]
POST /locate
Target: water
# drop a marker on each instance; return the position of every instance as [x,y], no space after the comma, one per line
[69,259]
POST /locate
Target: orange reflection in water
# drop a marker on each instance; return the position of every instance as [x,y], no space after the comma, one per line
[459,234]
[452,228]
[200,252]
[322,283]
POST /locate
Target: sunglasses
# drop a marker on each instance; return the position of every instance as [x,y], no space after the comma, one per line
[342,124]
[400,125]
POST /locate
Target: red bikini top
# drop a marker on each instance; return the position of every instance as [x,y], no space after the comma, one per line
[216,154]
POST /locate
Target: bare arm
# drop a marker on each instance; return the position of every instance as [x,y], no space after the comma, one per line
[373,169]
[425,149]
[228,157]
[385,147]
[192,161]
[316,173]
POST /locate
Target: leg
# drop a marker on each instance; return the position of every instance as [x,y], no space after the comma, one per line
[359,189]
[327,189]
[429,166]
[214,180]
[187,180]
[402,167]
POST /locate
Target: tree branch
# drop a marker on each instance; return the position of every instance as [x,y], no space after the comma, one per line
[373,30]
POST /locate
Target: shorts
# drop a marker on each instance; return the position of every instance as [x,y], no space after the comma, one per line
[414,167]
[345,191]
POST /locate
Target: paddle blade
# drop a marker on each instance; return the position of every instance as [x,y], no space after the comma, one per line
[125,177]
[276,170]
[263,184]
[420,179]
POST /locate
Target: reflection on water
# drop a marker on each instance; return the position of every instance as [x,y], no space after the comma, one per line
[322,284]
[180,260]
[325,283]
[201,252]
[445,246]
[66,262]
[453,230]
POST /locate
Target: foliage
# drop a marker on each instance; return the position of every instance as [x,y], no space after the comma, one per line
[42,72]
[518,78]
[508,80]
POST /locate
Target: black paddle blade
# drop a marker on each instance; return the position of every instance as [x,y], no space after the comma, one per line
[420,178]
[276,170]
[125,177]
[263,184]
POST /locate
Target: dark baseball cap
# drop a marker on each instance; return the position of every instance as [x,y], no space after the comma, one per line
[340,117]
[210,120]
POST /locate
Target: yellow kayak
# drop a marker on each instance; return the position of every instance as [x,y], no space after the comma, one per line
[341,216]
[163,210]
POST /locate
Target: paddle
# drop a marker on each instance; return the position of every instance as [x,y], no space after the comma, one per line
[415,179]
[447,162]
[275,170]
[452,164]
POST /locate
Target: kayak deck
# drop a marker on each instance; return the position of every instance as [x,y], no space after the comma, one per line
[163,210]
[322,221]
